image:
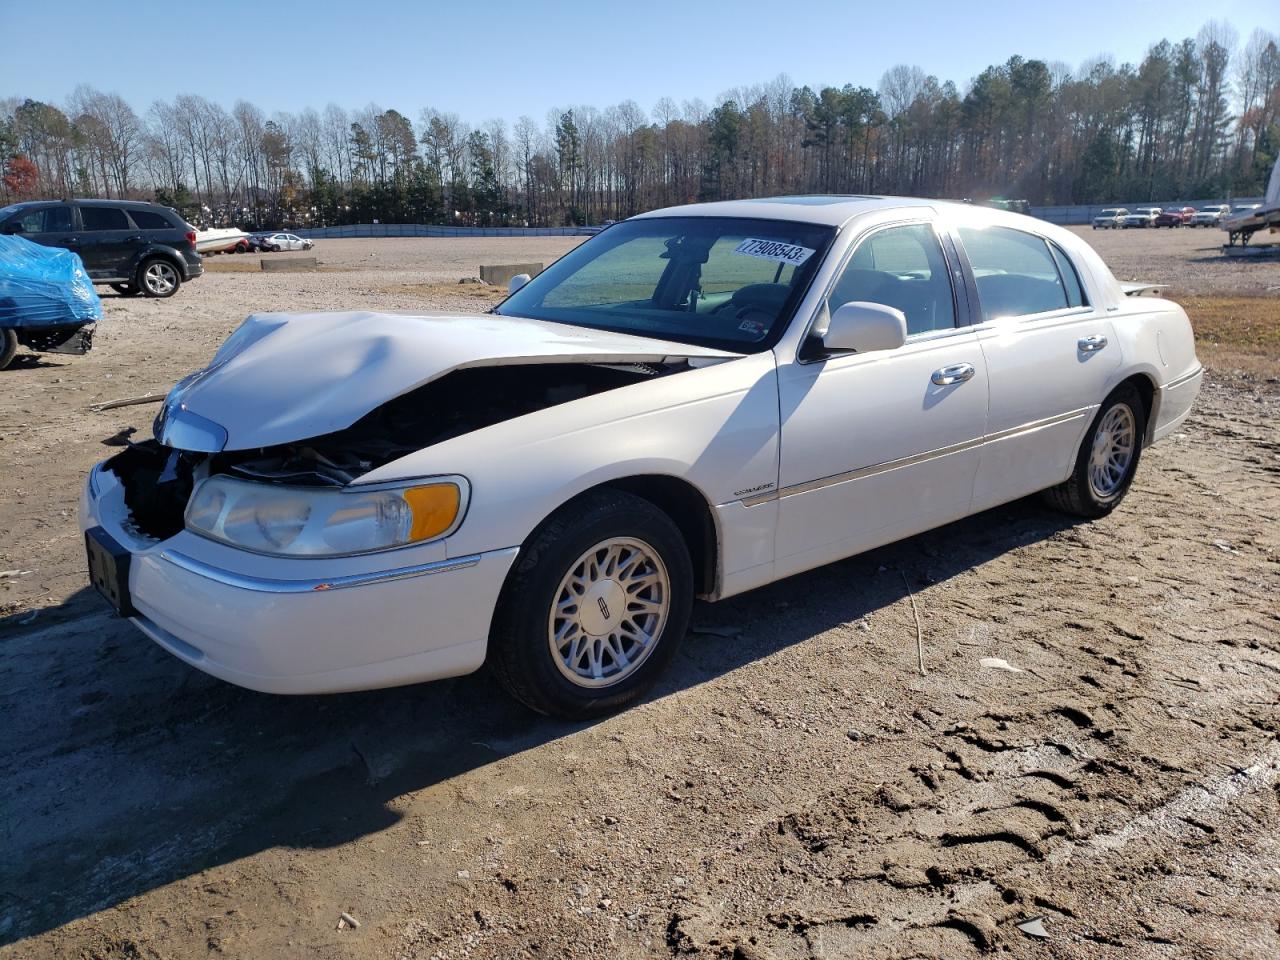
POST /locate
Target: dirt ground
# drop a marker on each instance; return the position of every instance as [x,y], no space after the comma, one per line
[795,787]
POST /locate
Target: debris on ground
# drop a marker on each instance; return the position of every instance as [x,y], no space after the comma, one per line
[1034,928]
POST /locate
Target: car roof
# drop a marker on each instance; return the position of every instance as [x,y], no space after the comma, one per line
[826,210]
[92,203]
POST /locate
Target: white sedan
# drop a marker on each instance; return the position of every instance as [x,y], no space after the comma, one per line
[693,403]
[286,241]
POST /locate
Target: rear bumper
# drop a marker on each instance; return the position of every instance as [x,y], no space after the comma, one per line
[1173,403]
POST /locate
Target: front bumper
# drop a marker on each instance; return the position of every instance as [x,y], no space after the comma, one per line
[309,626]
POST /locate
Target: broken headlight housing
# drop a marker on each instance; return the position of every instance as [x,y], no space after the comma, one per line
[293,521]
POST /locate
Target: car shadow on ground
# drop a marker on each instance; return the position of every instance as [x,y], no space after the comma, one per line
[130,770]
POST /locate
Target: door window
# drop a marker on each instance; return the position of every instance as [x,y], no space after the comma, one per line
[901,267]
[104,218]
[1015,272]
[150,220]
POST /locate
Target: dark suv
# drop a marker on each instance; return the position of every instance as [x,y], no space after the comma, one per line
[135,247]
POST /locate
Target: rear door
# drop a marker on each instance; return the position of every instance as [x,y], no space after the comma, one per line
[108,241]
[1050,355]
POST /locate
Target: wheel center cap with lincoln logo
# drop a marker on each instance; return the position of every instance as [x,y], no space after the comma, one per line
[602,608]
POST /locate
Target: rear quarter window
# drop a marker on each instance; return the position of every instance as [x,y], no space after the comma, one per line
[150,220]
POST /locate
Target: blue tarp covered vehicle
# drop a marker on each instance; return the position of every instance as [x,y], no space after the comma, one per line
[47,301]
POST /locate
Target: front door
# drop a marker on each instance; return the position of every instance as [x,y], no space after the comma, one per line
[878,446]
[1049,355]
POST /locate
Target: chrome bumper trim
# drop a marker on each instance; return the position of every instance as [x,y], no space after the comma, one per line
[1198,371]
[265,585]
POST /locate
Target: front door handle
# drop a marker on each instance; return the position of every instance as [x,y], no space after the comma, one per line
[138,239]
[956,373]
[1091,344]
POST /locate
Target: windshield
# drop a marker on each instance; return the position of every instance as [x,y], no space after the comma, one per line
[1108,213]
[717,281]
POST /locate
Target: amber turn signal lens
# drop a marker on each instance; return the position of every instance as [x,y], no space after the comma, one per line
[435,508]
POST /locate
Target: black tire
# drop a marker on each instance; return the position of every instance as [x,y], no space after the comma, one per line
[126,289]
[520,654]
[8,346]
[150,272]
[1077,496]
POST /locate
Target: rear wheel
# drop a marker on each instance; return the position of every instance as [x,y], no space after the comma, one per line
[1108,458]
[158,278]
[8,346]
[594,608]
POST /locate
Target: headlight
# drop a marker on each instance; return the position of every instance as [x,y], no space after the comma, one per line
[321,521]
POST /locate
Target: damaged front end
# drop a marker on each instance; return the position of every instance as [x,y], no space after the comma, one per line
[158,479]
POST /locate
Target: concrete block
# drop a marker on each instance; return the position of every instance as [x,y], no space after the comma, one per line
[500,274]
[290,263]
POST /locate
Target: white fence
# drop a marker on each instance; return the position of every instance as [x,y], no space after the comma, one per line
[1086,213]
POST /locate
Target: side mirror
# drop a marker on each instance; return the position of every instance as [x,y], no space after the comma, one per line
[862,327]
[516,282]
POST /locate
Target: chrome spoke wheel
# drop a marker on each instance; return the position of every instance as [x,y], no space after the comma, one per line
[1114,446]
[609,612]
[160,277]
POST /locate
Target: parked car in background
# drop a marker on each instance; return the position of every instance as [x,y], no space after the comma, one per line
[695,402]
[1141,217]
[1110,218]
[1210,216]
[1175,218]
[133,246]
[286,241]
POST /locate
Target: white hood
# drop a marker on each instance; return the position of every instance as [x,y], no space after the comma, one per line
[283,377]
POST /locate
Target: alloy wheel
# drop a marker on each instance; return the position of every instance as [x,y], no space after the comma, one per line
[609,612]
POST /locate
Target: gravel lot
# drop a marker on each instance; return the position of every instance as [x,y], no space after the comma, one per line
[794,789]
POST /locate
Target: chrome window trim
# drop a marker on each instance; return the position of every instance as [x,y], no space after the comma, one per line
[1065,314]
[268,585]
[871,470]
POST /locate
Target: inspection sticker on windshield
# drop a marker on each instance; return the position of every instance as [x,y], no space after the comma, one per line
[774,250]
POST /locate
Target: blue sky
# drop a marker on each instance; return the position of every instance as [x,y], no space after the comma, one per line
[503,59]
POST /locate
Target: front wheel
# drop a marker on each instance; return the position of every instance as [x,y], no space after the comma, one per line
[8,346]
[1108,458]
[158,278]
[594,608]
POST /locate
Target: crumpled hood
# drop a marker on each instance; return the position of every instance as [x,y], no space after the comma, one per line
[283,377]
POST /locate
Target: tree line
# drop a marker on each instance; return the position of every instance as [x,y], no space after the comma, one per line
[1196,118]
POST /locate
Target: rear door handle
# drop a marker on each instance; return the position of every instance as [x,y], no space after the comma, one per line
[1091,344]
[956,373]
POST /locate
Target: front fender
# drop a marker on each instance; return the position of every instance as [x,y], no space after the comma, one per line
[714,427]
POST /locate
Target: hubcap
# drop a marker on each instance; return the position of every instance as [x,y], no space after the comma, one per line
[609,612]
[160,277]
[1113,448]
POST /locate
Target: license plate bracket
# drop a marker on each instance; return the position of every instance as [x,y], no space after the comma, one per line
[109,569]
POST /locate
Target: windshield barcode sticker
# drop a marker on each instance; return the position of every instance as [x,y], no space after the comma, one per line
[774,250]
